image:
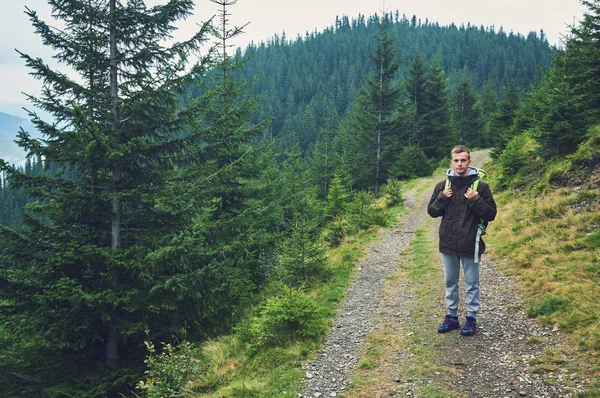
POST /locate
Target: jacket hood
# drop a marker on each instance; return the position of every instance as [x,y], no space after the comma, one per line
[472,171]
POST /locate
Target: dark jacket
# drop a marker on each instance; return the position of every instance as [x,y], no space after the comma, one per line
[461,216]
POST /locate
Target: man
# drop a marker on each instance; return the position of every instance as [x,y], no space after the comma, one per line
[462,206]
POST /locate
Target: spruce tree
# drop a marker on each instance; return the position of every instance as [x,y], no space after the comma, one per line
[467,120]
[226,197]
[487,105]
[79,295]
[435,135]
[501,126]
[415,89]
[321,161]
[585,50]
[373,119]
[566,102]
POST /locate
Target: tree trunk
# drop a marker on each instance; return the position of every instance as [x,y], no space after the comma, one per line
[379,117]
[112,349]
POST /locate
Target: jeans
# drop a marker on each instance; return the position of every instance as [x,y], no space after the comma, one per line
[452,273]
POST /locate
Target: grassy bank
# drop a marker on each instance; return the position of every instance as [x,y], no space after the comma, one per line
[550,244]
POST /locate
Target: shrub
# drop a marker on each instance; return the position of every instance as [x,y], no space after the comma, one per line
[404,166]
[557,173]
[302,256]
[170,371]
[519,159]
[336,231]
[392,191]
[363,212]
[281,320]
[588,153]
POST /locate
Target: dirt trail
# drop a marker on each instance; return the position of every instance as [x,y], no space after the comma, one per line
[494,363]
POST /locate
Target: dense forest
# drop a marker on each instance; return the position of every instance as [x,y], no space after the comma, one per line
[168,198]
[309,79]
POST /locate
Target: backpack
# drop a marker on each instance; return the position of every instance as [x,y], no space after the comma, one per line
[480,173]
[481,230]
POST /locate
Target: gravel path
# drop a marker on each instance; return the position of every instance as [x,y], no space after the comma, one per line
[494,363]
[328,375]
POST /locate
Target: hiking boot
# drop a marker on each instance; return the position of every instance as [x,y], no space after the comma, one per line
[470,327]
[450,323]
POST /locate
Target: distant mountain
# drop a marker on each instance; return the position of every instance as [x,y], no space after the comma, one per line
[9,127]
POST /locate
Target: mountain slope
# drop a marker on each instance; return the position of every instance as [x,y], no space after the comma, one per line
[310,81]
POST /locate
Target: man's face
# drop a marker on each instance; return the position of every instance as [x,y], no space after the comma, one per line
[461,162]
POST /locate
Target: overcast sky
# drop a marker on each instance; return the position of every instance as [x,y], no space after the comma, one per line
[267,17]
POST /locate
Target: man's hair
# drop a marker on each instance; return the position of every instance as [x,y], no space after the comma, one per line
[460,149]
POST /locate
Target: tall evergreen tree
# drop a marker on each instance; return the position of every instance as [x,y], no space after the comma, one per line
[415,87]
[501,131]
[488,105]
[373,119]
[467,119]
[566,102]
[435,135]
[585,49]
[223,195]
[553,111]
[322,160]
[79,292]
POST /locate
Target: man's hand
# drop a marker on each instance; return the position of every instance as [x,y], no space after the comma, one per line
[470,193]
[447,192]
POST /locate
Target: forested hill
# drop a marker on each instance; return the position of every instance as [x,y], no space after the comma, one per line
[314,78]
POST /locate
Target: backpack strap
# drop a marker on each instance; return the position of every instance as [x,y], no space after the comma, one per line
[473,186]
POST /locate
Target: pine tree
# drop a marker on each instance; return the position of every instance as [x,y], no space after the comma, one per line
[415,88]
[302,257]
[502,122]
[226,193]
[337,198]
[585,50]
[487,105]
[297,196]
[322,160]
[467,120]
[80,294]
[229,194]
[565,103]
[372,120]
[435,135]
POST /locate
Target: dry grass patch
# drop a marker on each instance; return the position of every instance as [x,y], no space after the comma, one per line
[376,374]
[223,366]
